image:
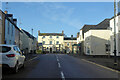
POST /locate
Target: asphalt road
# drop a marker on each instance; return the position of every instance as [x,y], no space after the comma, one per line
[61,66]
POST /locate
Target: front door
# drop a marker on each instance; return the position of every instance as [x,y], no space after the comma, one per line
[50,50]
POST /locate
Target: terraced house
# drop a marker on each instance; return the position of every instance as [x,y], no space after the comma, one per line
[51,42]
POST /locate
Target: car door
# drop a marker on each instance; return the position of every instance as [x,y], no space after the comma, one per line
[22,57]
[17,54]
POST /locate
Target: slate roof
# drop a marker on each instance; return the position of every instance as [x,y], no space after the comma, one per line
[28,34]
[70,38]
[117,15]
[10,15]
[51,34]
[101,26]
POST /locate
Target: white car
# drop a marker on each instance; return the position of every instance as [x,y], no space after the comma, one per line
[11,57]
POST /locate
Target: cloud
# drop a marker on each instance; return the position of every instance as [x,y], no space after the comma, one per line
[60,13]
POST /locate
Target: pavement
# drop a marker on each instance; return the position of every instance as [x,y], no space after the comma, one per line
[62,67]
[102,60]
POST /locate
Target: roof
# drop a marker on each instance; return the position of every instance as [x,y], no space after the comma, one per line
[13,24]
[117,15]
[49,34]
[102,25]
[28,34]
[10,15]
[70,38]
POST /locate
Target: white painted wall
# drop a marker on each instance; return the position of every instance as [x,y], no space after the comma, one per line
[117,35]
[95,40]
[0,29]
[54,39]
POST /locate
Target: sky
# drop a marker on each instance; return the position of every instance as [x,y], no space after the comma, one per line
[53,17]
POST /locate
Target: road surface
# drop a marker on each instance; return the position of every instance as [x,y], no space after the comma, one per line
[61,66]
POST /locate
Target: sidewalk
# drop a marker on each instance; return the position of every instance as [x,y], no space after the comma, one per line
[105,61]
[29,56]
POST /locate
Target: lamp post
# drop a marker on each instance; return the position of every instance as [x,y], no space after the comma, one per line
[115,51]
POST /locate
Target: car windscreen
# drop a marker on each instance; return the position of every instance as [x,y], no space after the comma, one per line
[4,49]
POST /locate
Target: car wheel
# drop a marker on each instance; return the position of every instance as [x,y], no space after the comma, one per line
[15,69]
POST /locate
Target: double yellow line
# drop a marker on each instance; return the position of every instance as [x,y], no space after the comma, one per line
[101,66]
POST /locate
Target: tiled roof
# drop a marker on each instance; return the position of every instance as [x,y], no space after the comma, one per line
[102,25]
[49,34]
[28,34]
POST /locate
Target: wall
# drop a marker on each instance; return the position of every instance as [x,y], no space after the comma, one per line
[9,37]
[0,28]
[117,35]
[67,47]
[47,40]
[95,42]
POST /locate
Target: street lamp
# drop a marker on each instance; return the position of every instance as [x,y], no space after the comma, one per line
[115,51]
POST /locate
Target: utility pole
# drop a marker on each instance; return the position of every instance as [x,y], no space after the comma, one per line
[115,51]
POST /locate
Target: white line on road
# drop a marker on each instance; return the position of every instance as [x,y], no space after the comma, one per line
[62,75]
[57,60]
[32,59]
[59,65]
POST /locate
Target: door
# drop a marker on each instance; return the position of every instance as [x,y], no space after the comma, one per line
[50,50]
[22,57]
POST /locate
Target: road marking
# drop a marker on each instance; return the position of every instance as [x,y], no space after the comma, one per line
[32,58]
[101,66]
[62,75]
[57,60]
[59,65]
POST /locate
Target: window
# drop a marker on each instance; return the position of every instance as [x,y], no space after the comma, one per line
[57,37]
[4,49]
[67,44]
[57,42]
[15,49]
[43,37]
[107,48]
[43,42]
[50,42]
[50,36]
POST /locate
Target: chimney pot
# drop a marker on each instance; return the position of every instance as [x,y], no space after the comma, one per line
[6,12]
[62,32]
[38,32]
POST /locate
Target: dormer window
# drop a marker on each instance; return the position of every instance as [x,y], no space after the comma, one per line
[43,37]
[50,36]
[57,37]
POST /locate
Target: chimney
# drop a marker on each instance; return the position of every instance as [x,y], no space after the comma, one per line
[6,12]
[15,21]
[77,34]
[38,32]
[62,32]
[71,36]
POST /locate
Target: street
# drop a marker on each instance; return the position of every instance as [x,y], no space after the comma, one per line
[61,66]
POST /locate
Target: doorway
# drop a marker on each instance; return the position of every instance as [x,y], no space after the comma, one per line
[50,50]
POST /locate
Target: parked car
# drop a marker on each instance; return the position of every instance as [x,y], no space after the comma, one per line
[11,57]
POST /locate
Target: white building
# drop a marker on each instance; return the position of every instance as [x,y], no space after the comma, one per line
[117,34]
[96,42]
[29,42]
[80,42]
[94,39]
[51,42]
